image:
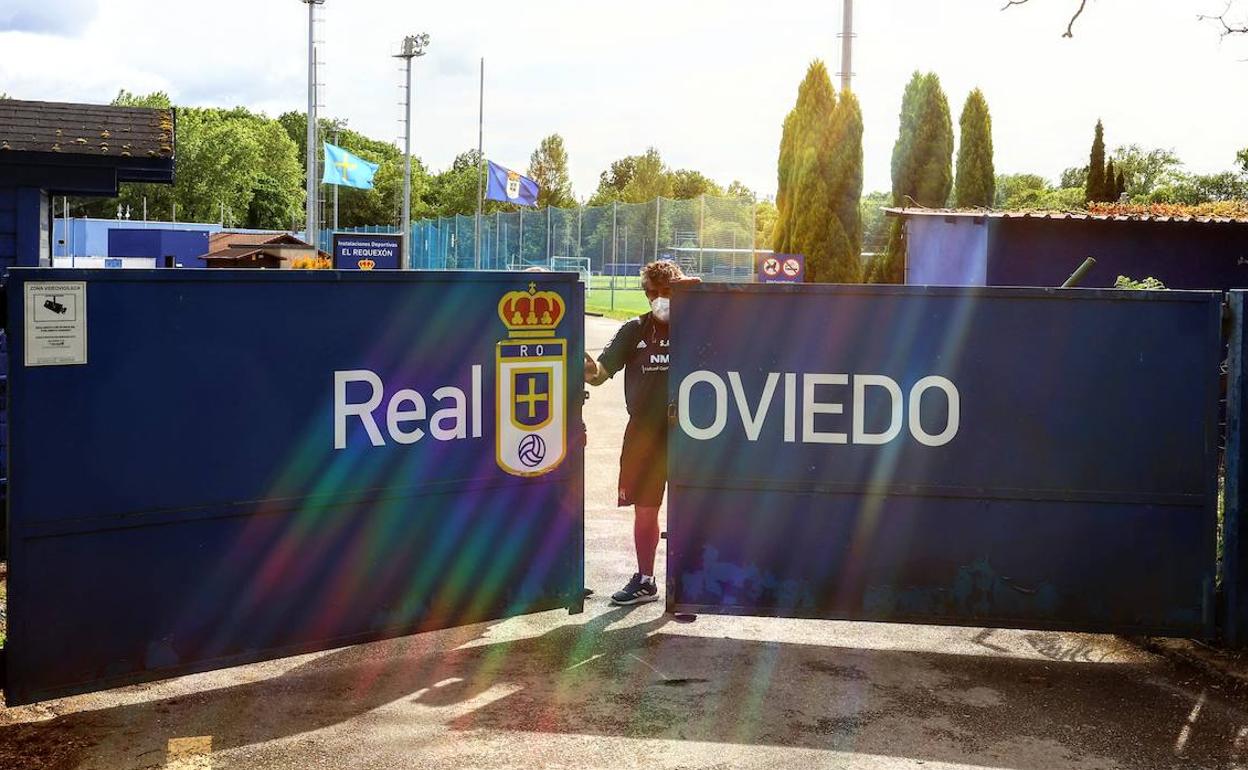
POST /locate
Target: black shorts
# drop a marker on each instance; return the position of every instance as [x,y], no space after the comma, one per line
[643,463]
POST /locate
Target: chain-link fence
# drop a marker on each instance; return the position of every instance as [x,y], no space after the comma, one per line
[709,237]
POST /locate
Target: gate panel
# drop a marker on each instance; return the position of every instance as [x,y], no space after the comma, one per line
[1003,457]
[206,490]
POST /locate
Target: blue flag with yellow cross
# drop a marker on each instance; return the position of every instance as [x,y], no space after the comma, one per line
[343,168]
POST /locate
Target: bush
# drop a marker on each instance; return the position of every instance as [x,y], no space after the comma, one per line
[1147,284]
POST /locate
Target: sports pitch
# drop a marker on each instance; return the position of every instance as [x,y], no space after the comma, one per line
[629,299]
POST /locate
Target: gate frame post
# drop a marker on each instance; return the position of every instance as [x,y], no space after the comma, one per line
[1234,545]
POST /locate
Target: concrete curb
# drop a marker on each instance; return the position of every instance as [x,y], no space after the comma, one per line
[1227,665]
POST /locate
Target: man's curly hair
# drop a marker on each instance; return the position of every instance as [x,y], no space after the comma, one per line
[662,273]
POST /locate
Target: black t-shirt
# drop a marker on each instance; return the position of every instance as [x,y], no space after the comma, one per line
[640,348]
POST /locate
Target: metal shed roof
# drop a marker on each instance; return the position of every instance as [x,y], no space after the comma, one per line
[1054,215]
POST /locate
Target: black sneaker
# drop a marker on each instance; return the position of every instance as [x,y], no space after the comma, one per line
[637,591]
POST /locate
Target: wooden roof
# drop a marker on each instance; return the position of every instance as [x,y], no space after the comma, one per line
[226,239]
[86,129]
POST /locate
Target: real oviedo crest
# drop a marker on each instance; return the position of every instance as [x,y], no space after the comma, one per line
[513,185]
[532,385]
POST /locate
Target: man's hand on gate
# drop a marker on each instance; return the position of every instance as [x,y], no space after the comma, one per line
[595,373]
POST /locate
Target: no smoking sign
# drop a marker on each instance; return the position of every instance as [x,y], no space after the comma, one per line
[781,268]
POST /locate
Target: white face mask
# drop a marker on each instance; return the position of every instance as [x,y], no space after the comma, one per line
[662,308]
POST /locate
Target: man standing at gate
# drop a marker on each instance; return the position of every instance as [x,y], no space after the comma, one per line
[640,348]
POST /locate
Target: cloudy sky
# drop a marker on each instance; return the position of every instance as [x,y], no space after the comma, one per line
[707,82]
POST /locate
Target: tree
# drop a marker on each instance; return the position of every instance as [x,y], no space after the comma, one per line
[784,169]
[454,191]
[156,100]
[812,111]
[687,183]
[634,179]
[845,173]
[739,191]
[922,164]
[548,166]
[975,179]
[1032,192]
[1242,159]
[1075,176]
[611,183]
[874,223]
[765,215]
[1194,189]
[820,173]
[1146,170]
[1012,188]
[1095,190]
[1111,182]
[1120,184]
[650,179]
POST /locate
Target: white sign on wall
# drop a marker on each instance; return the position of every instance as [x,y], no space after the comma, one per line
[56,323]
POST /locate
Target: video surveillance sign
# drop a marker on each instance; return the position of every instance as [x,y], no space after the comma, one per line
[56,323]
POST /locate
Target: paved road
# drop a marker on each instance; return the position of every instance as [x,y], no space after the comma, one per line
[621,688]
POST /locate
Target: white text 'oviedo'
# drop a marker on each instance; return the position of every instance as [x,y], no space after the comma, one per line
[704,384]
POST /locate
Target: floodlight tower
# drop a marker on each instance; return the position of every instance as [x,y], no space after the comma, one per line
[413,46]
[311,154]
[847,44]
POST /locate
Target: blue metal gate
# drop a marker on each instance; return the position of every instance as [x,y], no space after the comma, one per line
[229,466]
[1002,457]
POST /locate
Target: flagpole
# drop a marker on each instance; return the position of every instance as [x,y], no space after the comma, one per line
[336,186]
[480,161]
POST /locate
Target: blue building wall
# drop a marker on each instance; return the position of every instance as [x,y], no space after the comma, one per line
[23,245]
[90,237]
[8,225]
[185,246]
[947,252]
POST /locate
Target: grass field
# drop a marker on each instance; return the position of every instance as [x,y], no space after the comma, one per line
[629,299]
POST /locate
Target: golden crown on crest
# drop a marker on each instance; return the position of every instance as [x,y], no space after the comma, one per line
[531,313]
[367,264]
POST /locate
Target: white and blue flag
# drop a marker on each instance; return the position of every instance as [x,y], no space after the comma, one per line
[509,186]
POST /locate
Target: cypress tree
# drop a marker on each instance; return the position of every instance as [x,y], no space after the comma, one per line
[779,236]
[922,164]
[976,179]
[816,100]
[1111,182]
[846,178]
[820,181]
[812,228]
[816,232]
[1096,187]
[1121,186]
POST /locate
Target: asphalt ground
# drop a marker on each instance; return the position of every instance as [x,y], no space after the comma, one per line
[630,688]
